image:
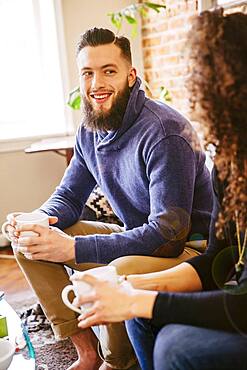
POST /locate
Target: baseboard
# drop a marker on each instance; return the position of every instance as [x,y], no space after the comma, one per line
[3,241]
[6,251]
[7,257]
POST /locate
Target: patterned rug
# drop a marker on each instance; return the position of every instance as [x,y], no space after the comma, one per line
[50,354]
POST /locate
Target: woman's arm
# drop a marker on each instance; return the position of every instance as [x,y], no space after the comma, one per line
[219,310]
[181,278]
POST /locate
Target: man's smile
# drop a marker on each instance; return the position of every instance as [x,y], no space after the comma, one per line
[100,97]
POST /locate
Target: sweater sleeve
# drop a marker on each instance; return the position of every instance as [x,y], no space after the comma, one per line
[222,310]
[70,196]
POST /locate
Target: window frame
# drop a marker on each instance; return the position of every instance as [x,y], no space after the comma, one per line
[226,4]
[18,144]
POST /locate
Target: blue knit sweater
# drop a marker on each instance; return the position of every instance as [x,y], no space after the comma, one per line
[153,173]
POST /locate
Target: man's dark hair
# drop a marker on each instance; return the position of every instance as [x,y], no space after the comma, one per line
[102,36]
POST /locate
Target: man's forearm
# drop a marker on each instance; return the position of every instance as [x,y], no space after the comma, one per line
[181,278]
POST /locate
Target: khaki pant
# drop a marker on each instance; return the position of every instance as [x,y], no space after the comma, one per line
[48,280]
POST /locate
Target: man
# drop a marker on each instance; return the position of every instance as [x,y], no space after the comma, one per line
[147,160]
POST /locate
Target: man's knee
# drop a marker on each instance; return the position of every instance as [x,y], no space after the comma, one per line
[143,264]
[125,265]
[171,249]
[84,228]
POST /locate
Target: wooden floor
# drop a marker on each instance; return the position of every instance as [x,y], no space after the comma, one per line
[13,282]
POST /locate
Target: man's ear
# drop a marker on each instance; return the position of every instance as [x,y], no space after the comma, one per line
[132,77]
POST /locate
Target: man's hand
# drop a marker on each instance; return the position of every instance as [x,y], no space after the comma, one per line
[113,302]
[50,244]
[11,227]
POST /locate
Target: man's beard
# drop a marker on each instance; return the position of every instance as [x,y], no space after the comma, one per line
[110,120]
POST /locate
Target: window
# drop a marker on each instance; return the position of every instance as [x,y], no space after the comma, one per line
[209,4]
[31,89]
[229,3]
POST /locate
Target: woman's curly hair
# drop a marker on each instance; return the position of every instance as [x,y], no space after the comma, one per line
[218,88]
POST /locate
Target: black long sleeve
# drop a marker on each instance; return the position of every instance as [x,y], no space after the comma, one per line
[222,310]
[215,307]
[216,265]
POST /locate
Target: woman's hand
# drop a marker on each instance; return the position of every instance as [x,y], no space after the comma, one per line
[113,302]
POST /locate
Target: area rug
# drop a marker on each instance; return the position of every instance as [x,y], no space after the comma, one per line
[55,356]
[50,354]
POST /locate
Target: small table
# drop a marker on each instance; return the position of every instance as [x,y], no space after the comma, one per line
[55,144]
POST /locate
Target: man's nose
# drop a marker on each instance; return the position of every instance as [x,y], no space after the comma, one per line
[97,81]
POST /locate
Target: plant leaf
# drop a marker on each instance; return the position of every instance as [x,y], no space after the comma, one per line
[130,20]
[131,12]
[116,19]
[154,6]
[76,103]
[74,99]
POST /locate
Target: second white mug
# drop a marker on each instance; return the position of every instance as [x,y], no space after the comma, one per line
[81,288]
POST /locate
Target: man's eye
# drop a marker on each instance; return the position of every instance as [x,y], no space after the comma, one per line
[86,74]
[110,72]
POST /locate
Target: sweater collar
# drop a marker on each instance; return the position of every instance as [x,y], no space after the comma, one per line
[134,107]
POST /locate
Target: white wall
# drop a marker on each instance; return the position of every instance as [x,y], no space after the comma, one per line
[26,180]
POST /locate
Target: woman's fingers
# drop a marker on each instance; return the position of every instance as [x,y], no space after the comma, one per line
[87,312]
[90,279]
[78,301]
[90,321]
[91,316]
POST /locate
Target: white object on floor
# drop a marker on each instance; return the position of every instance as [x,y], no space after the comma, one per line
[7,350]
[20,363]
[15,331]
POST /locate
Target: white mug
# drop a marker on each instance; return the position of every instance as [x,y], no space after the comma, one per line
[21,218]
[80,287]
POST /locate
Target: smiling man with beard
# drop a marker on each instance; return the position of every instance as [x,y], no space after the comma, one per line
[99,119]
[147,160]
